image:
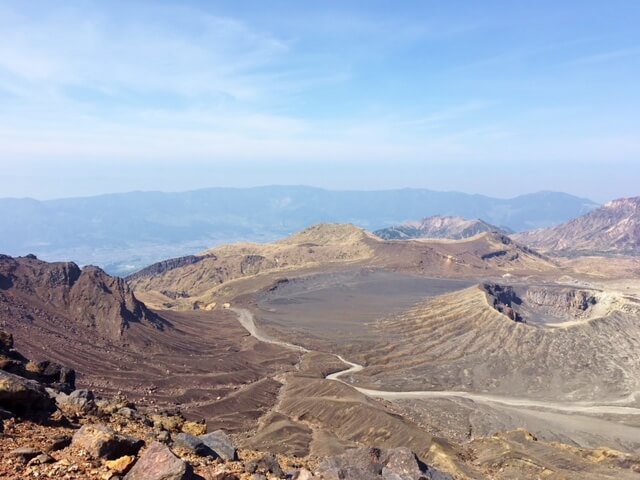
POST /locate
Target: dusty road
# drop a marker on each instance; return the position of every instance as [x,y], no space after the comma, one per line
[246,319]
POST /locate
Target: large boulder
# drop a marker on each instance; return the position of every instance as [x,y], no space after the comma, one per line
[220,443]
[159,463]
[371,463]
[102,442]
[24,397]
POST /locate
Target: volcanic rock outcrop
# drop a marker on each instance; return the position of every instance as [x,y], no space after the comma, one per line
[62,294]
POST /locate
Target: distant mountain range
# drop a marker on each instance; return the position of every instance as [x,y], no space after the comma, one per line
[438,226]
[613,228]
[125,232]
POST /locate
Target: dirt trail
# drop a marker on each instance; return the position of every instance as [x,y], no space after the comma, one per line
[246,319]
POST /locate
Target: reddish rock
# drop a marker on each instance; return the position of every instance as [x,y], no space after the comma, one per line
[159,463]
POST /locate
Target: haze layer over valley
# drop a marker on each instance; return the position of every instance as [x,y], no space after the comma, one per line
[125,232]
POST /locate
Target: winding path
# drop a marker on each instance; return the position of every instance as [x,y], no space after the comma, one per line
[246,319]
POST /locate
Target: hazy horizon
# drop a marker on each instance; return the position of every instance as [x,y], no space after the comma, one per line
[267,186]
[494,98]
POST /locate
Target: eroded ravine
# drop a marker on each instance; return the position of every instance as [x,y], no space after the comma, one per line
[246,319]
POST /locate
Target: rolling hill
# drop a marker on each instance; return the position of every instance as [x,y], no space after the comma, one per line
[124,232]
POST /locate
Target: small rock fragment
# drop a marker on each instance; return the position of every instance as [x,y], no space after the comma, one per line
[163,436]
[42,459]
[122,464]
[194,428]
[267,464]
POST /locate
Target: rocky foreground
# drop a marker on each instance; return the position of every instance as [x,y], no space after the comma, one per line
[49,429]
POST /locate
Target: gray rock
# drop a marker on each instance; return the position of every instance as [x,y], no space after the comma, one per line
[220,443]
[59,442]
[267,464]
[102,442]
[163,436]
[194,445]
[42,459]
[24,453]
[128,413]
[78,401]
[24,397]
[159,463]
[370,463]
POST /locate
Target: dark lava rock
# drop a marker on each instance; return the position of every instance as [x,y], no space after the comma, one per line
[267,464]
[59,442]
[59,377]
[193,444]
[24,453]
[102,442]
[159,463]
[24,397]
[220,443]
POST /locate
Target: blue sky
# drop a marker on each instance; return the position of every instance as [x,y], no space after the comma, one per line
[494,97]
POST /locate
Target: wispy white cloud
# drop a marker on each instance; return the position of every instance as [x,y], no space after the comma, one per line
[174,84]
[607,56]
[168,50]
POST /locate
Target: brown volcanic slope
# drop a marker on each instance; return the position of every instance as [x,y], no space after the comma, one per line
[613,228]
[195,283]
[437,226]
[322,247]
[92,322]
[63,295]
